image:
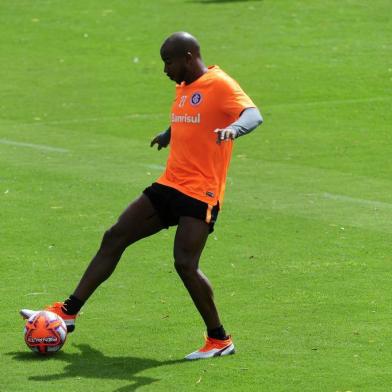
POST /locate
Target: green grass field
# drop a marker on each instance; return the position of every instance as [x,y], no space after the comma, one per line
[301,256]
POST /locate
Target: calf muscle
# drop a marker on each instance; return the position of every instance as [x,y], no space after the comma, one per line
[189,243]
[138,221]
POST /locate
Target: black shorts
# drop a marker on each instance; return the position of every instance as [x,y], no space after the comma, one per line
[171,204]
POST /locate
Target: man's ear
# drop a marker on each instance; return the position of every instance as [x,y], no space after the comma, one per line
[188,57]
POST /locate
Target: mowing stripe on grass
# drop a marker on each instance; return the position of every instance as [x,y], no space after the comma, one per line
[34,146]
[149,116]
[372,203]
[329,102]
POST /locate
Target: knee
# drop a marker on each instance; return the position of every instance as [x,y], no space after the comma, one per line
[109,236]
[112,240]
[185,266]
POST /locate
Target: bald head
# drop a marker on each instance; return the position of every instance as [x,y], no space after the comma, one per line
[180,53]
[180,44]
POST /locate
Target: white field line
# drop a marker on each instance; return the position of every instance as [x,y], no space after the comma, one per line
[371,203]
[34,146]
[145,116]
[154,167]
[37,293]
[141,116]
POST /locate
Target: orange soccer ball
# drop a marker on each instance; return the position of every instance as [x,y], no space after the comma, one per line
[45,332]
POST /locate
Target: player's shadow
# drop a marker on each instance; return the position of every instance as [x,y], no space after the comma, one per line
[91,363]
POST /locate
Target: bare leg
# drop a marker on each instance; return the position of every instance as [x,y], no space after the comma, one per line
[190,239]
[138,221]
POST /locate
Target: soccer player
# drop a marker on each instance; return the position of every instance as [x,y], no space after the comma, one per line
[210,111]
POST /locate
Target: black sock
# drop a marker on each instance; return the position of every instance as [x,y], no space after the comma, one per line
[72,305]
[217,333]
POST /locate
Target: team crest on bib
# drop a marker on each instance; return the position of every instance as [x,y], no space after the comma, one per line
[196,99]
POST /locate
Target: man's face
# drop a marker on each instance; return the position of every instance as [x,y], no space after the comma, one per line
[176,66]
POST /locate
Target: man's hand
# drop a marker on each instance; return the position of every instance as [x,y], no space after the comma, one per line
[162,139]
[225,134]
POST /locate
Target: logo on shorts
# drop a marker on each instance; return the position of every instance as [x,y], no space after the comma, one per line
[210,194]
[196,99]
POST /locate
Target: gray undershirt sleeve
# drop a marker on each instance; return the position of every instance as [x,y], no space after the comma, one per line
[249,119]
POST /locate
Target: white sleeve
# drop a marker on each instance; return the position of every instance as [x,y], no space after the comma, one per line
[249,119]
